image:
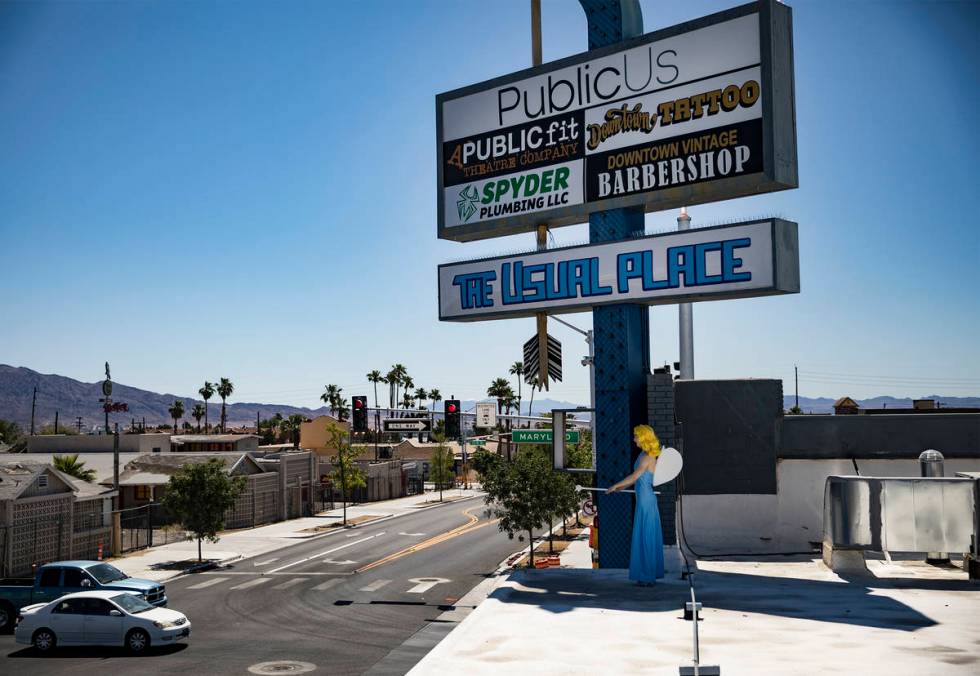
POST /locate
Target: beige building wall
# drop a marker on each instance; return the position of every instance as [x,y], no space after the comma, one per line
[313,434]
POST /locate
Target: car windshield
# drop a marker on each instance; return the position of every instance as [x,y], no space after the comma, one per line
[105,573]
[131,604]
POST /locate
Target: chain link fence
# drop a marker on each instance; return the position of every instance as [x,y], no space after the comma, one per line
[148,526]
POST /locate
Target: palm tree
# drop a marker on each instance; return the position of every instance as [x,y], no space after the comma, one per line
[408,384]
[499,389]
[392,378]
[375,377]
[421,395]
[510,401]
[407,401]
[176,412]
[435,395]
[517,369]
[401,373]
[69,464]
[292,425]
[535,384]
[224,389]
[331,397]
[206,393]
[197,413]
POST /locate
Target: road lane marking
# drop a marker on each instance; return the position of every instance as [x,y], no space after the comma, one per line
[471,525]
[264,563]
[208,583]
[328,584]
[412,534]
[251,583]
[329,551]
[290,583]
[424,584]
[374,586]
[345,562]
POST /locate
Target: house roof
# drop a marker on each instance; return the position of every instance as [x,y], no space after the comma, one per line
[152,469]
[208,438]
[17,476]
[846,401]
[98,461]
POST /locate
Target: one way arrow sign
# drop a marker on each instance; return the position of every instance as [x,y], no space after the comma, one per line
[406,424]
[532,359]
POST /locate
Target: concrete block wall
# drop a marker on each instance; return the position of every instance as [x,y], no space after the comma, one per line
[660,412]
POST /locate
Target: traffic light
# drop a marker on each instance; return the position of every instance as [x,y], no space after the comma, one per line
[359,406]
[452,418]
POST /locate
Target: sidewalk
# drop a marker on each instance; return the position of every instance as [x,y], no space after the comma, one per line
[771,615]
[167,561]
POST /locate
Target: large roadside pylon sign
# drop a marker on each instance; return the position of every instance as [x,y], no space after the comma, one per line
[694,113]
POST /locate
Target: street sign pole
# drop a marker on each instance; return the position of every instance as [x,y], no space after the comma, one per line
[622,331]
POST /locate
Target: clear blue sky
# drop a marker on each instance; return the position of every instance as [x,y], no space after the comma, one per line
[247,189]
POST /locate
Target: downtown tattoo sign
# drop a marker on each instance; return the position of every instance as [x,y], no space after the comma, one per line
[698,112]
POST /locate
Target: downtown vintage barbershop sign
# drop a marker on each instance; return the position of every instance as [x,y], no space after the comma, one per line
[757,258]
[698,112]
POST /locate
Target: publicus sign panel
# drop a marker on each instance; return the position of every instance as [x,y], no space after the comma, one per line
[756,258]
[698,112]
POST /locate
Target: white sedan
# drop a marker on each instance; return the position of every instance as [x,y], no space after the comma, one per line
[111,618]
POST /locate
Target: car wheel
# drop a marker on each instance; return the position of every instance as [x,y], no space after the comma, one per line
[137,641]
[44,640]
[7,616]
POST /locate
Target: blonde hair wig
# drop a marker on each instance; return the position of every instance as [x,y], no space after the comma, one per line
[647,440]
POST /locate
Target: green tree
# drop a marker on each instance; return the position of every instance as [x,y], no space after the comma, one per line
[517,369]
[62,429]
[519,493]
[375,377]
[291,427]
[176,412]
[206,393]
[224,390]
[499,389]
[346,473]
[334,398]
[421,394]
[199,495]
[441,465]
[69,464]
[535,385]
[11,434]
[197,413]
[435,396]
[795,410]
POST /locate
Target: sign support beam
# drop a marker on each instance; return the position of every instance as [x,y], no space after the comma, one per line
[622,333]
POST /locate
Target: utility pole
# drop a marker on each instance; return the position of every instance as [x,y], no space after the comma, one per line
[33,407]
[686,317]
[56,421]
[78,424]
[796,377]
[115,458]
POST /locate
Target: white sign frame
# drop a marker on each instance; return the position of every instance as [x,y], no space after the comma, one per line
[741,260]
[749,43]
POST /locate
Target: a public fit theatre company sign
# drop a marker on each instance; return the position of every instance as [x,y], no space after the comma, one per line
[698,112]
[757,258]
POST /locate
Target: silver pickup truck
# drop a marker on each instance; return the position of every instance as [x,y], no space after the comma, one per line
[54,580]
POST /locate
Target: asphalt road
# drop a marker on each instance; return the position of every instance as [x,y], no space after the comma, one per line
[340,602]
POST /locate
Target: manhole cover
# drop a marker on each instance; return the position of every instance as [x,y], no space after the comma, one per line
[281,667]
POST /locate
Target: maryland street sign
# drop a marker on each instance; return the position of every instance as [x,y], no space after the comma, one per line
[406,425]
[540,436]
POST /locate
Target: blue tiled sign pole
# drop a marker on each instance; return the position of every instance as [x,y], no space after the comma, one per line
[622,334]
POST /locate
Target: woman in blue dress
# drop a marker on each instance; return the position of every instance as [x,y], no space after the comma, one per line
[647,551]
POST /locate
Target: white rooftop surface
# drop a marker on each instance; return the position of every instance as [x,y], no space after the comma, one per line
[771,616]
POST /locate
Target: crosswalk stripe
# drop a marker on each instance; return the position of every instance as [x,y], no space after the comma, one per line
[208,583]
[251,583]
[289,583]
[374,586]
[328,584]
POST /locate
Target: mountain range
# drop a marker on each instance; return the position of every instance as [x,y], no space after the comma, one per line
[73,398]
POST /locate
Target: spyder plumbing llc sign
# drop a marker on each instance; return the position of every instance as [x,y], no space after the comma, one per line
[757,258]
[698,112]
